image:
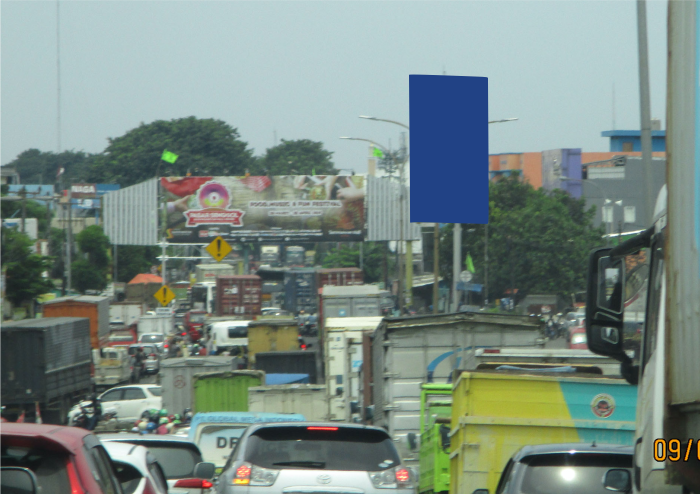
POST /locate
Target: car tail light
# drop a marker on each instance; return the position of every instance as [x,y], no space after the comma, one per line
[492,350]
[403,475]
[193,484]
[152,355]
[303,347]
[321,428]
[75,487]
[183,334]
[391,478]
[166,345]
[242,476]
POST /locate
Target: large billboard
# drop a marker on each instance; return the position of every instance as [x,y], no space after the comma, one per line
[290,208]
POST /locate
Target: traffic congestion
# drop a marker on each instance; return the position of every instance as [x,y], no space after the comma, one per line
[182,315]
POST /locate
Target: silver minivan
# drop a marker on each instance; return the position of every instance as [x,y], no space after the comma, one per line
[313,457]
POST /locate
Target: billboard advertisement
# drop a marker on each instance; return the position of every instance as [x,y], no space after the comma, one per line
[278,209]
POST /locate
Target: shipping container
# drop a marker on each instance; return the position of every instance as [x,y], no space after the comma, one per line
[494,414]
[343,351]
[176,378]
[307,399]
[143,293]
[299,362]
[93,307]
[339,277]
[224,391]
[350,301]
[300,291]
[238,295]
[45,361]
[209,272]
[409,351]
[272,335]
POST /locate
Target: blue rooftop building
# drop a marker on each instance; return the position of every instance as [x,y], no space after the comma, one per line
[631,140]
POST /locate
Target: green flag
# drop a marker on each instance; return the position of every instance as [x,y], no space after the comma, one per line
[469,263]
[169,157]
[378,153]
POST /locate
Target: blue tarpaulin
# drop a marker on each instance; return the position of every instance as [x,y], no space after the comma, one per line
[286,379]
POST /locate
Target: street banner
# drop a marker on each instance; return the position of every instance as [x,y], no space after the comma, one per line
[278,209]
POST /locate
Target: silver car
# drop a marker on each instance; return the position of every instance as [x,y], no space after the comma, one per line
[311,457]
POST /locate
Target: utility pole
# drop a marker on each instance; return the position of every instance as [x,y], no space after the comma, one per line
[456,261]
[645,112]
[69,246]
[436,266]
[486,266]
[23,193]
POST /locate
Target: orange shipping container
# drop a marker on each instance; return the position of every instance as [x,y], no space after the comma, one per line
[94,308]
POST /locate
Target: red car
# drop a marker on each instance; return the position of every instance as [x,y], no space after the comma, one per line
[63,459]
[578,339]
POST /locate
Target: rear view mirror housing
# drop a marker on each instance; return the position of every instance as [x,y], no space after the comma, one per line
[605,305]
[204,470]
[18,480]
[618,480]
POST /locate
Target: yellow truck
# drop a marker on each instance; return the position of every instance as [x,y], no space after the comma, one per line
[495,413]
[272,335]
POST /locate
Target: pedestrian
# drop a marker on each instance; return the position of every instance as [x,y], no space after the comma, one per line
[96,412]
[139,361]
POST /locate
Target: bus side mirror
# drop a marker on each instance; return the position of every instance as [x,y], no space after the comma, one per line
[605,305]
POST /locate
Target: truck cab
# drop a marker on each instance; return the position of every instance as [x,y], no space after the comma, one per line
[193,322]
[203,296]
[610,286]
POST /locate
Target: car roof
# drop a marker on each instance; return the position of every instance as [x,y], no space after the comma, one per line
[140,386]
[572,448]
[233,322]
[133,454]
[68,438]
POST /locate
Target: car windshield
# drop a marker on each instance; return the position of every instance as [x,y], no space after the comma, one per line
[48,466]
[330,448]
[156,391]
[120,337]
[570,474]
[197,318]
[152,338]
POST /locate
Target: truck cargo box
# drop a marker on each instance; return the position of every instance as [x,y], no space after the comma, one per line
[494,414]
[238,295]
[272,335]
[307,399]
[93,307]
[47,361]
[299,362]
[224,391]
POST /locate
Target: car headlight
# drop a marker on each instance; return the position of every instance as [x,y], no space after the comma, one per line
[578,338]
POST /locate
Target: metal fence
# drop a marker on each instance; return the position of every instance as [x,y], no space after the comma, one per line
[131,214]
[384,211]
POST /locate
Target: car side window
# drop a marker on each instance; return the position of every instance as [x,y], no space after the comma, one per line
[102,471]
[157,473]
[113,395]
[134,394]
[505,477]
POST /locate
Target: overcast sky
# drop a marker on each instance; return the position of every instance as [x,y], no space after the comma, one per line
[306,70]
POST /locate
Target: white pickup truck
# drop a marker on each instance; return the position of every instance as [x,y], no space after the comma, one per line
[111,367]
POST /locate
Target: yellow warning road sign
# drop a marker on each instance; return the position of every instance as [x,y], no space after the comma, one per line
[164,295]
[219,248]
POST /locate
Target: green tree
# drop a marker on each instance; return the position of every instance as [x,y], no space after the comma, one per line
[204,147]
[24,280]
[135,259]
[34,209]
[41,167]
[349,257]
[90,272]
[539,241]
[299,157]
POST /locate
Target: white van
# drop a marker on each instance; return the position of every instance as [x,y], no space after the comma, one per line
[224,336]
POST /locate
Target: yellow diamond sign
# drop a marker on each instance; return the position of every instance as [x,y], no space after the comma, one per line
[164,295]
[219,248]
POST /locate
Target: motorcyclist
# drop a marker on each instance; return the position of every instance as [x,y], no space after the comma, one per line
[96,412]
[139,361]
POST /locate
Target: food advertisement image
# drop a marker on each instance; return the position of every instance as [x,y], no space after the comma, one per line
[289,208]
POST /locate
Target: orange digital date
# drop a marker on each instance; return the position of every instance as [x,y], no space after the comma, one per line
[674,450]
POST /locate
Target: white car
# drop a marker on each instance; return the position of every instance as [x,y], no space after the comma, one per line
[157,339]
[128,401]
[136,469]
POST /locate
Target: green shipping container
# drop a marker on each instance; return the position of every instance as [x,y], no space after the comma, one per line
[225,391]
